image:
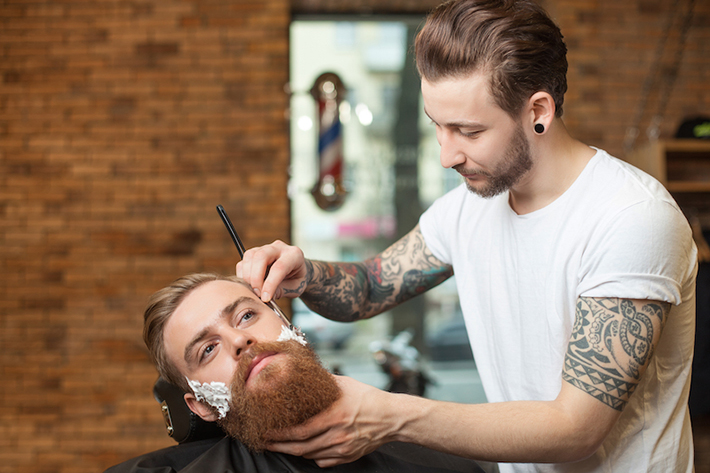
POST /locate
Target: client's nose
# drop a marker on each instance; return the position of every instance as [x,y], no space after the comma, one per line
[241,342]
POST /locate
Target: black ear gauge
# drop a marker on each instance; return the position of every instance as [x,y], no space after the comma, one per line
[539,128]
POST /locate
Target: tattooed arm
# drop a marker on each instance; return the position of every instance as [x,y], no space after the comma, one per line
[346,291]
[611,344]
[608,352]
[610,347]
[354,291]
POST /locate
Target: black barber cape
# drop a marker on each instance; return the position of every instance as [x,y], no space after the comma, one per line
[225,455]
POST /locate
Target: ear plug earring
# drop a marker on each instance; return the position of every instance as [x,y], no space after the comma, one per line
[539,128]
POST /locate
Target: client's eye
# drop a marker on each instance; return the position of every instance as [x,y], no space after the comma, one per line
[207,351]
[246,316]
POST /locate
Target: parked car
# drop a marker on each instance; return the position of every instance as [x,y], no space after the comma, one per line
[450,341]
[321,332]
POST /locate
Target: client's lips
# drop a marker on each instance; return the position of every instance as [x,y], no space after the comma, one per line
[258,363]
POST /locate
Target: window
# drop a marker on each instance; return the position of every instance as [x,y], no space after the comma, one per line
[391,174]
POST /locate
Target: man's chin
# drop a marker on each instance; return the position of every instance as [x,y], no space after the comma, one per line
[286,392]
[485,189]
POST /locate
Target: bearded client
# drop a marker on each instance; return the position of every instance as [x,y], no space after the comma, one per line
[242,367]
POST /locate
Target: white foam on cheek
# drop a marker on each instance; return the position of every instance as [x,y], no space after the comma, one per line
[215,394]
[288,334]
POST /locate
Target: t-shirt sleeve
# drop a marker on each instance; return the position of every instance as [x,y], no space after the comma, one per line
[433,228]
[643,252]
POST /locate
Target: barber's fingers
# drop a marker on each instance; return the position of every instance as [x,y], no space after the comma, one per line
[346,431]
[342,448]
[335,461]
[286,276]
[255,264]
[328,461]
[329,448]
[272,268]
[300,435]
[253,267]
[324,458]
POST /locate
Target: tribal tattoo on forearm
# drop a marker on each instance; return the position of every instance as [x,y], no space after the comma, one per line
[354,291]
[612,341]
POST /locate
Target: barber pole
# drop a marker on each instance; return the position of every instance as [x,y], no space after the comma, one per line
[329,91]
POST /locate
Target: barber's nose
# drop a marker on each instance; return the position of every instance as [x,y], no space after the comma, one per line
[451,153]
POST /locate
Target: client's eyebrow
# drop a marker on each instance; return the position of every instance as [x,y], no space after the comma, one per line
[226,312]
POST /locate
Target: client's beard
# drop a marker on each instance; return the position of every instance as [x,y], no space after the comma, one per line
[285,394]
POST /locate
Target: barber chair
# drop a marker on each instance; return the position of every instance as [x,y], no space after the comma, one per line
[181,423]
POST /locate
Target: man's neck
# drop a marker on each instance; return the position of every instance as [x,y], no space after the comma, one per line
[558,160]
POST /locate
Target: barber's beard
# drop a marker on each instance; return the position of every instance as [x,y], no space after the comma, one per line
[516,163]
[286,393]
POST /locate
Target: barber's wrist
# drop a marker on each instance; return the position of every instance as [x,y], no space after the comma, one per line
[308,278]
[401,414]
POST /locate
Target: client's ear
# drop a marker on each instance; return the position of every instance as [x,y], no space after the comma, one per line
[199,408]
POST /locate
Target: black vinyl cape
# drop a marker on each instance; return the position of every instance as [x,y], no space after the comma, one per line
[225,455]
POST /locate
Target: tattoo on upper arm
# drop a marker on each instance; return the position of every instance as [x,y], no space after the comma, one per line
[611,344]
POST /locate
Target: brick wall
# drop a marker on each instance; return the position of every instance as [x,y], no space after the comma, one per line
[123,124]
[612,48]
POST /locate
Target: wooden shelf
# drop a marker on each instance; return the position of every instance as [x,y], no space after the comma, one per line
[685,146]
[687,186]
[681,165]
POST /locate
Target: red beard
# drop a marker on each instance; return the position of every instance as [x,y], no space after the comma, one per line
[285,393]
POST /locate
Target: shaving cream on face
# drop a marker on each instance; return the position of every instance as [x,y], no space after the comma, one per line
[215,394]
[289,334]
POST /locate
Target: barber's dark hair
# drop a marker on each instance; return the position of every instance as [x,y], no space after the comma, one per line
[514,41]
[161,306]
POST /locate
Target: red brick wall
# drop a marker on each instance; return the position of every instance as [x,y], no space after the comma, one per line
[123,124]
[612,48]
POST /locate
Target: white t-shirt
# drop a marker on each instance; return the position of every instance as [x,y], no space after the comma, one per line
[616,232]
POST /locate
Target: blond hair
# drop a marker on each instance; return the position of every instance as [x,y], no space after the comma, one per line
[161,307]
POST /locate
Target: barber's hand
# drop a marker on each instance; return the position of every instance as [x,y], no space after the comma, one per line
[274,270]
[354,426]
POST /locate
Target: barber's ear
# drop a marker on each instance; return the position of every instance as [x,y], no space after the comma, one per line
[542,109]
[199,408]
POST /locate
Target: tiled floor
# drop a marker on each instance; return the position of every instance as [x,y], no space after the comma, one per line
[701,438]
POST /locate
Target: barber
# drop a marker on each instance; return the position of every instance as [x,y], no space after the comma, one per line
[575,271]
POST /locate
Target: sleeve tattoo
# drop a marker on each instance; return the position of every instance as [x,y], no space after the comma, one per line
[354,291]
[611,344]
